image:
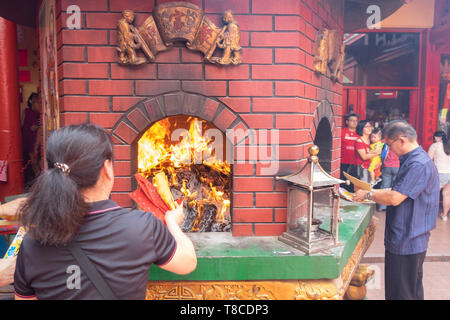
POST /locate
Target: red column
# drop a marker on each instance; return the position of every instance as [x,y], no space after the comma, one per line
[10,133]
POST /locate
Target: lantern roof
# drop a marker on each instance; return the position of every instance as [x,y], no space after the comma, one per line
[312,175]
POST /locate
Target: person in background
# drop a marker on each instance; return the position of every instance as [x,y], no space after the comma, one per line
[439,152]
[438,136]
[70,203]
[413,205]
[30,127]
[376,145]
[348,139]
[363,154]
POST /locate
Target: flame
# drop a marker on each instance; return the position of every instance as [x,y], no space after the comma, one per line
[167,147]
[155,148]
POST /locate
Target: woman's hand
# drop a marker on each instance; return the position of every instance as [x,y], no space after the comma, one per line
[177,215]
[10,210]
[7,268]
[184,259]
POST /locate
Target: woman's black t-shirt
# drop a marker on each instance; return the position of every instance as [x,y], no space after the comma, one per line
[121,243]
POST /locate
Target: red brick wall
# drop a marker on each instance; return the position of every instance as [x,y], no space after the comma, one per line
[273,88]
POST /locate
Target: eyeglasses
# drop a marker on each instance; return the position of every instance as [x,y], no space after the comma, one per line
[390,144]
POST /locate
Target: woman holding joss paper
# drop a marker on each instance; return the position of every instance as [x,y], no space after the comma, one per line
[69,203]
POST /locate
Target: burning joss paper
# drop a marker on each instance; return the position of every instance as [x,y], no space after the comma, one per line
[184,158]
[162,185]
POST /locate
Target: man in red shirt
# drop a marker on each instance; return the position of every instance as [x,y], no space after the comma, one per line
[348,138]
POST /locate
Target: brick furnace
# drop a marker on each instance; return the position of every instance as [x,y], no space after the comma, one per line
[263,78]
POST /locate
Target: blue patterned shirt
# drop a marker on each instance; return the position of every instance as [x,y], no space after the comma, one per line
[408,225]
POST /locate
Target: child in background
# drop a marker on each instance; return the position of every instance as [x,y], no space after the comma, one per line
[375,163]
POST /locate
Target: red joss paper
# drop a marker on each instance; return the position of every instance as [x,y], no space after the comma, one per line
[150,191]
[145,204]
[148,198]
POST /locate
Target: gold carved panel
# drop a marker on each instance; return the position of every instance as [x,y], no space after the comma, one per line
[318,289]
[178,21]
[244,290]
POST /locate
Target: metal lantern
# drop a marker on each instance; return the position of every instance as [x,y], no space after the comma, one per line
[313,207]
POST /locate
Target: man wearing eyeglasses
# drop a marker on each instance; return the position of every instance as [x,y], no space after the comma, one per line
[348,139]
[413,205]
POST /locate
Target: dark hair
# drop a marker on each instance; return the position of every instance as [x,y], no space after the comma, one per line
[376,131]
[397,128]
[351,114]
[360,126]
[446,144]
[55,208]
[30,99]
[439,134]
[445,141]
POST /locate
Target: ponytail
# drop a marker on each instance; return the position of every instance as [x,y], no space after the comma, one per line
[55,209]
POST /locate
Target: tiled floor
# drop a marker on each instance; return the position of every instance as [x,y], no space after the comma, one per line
[436,269]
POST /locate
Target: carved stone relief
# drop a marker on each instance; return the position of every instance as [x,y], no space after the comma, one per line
[329,54]
[178,21]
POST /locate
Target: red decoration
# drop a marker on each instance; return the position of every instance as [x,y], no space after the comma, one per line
[24,76]
[22,57]
[148,199]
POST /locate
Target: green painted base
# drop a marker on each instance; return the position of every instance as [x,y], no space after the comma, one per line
[223,257]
